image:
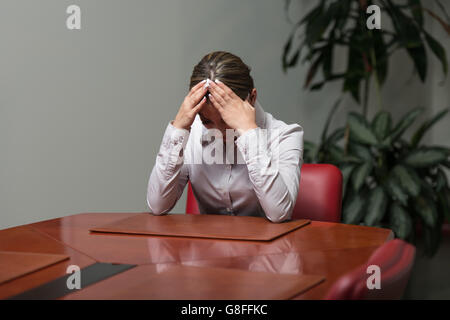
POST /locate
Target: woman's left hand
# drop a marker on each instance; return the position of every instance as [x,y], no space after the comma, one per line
[237,113]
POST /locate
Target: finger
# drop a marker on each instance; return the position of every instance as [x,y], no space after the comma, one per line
[197,96]
[196,87]
[218,90]
[200,105]
[225,88]
[215,103]
[219,99]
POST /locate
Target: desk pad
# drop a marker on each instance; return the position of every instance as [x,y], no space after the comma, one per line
[196,283]
[15,264]
[202,226]
[58,287]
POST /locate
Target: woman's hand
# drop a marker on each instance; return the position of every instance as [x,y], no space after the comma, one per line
[191,105]
[238,114]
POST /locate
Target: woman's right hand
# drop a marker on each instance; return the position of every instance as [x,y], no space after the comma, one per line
[191,105]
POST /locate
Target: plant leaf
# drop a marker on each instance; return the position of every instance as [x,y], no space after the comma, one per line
[286,50]
[400,221]
[353,209]
[441,180]
[337,155]
[441,6]
[316,24]
[425,126]
[293,61]
[332,77]
[360,130]
[446,164]
[335,136]
[360,151]
[317,86]
[425,157]
[328,121]
[395,191]
[416,10]
[362,171]
[404,123]
[438,51]
[342,13]
[346,170]
[381,124]
[381,55]
[310,151]
[408,179]
[356,69]
[328,60]
[376,207]
[408,35]
[313,70]
[419,57]
[444,25]
[426,209]
[444,202]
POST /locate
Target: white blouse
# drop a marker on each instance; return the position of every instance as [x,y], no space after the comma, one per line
[256,174]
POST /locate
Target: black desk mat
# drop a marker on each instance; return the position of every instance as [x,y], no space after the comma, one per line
[58,288]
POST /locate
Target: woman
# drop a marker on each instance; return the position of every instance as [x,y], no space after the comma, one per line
[239,159]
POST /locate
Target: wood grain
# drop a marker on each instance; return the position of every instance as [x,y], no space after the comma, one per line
[16,264]
[25,239]
[195,283]
[320,248]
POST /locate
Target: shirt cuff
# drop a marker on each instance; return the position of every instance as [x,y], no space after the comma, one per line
[175,136]
[174,142]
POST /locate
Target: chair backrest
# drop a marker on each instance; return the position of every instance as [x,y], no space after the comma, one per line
[319,197]
[395,260]
[319,194]
[191,203]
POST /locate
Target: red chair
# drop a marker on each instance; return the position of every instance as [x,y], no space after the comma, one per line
[191,203]
[395,259]
[319,197]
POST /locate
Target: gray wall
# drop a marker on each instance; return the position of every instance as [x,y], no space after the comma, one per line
[82,113]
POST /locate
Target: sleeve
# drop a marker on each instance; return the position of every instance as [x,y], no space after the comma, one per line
[273,162]
[169,174]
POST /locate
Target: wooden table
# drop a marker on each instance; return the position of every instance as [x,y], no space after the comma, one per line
[322,248]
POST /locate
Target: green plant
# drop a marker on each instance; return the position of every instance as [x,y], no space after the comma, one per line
[388,181]
[342,23]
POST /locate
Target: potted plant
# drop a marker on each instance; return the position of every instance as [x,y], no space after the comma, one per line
[389,180]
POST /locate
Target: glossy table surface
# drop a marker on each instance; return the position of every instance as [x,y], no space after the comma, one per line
[319,248]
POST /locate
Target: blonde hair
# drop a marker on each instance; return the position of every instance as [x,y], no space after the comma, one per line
[226,67]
